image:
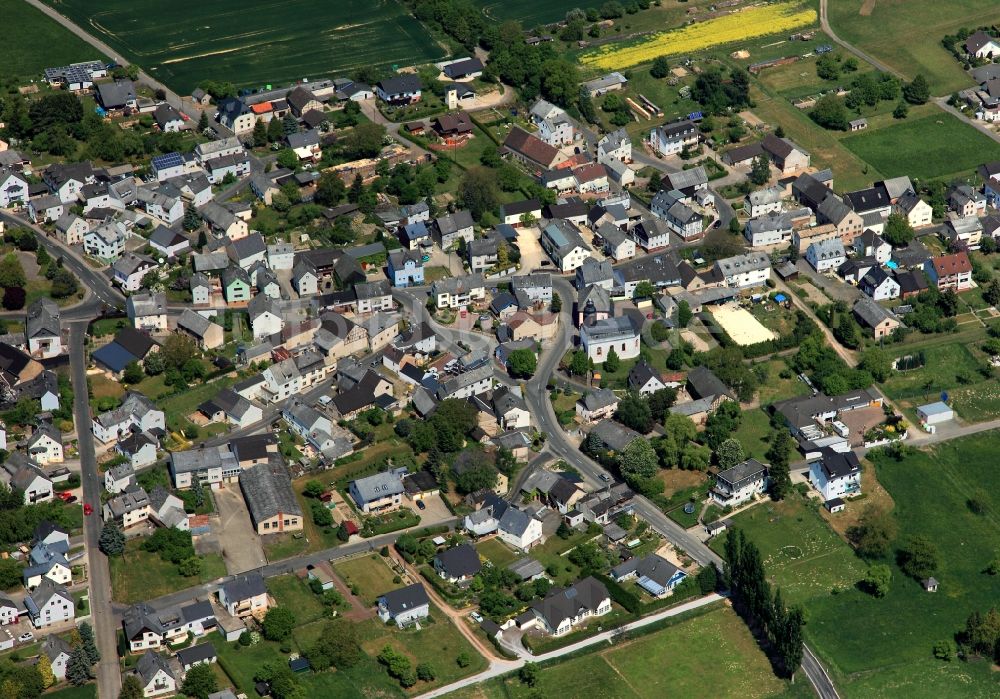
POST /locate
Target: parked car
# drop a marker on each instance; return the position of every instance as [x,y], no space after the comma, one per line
[71,499]
[26,637]
[476,617]
[606,478]
[421,505]
[65,495]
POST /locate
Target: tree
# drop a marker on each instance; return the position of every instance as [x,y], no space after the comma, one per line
[78,667]
[88,643]
[337,646]
[343,534]
[203,120]
[478,191]
[478,477]
[634,412]
[200,680]
[644,290]
[192,219]
[44,666]
[778,456]
[730,453]
[848,332]
[287,159]
[877,363]
[330,190]
[133,373]
[11,272]
[275,131]
[279,622]
[683,313]
[918,91]
[944,650]
[660,68]
[638,463]
[830,113]
[425,672]
[260,134]
[131,686]
[365,140]
[522,363]
[612,361]
[313,489]
[898,232]
[556,304]
[760,172]
[873,534]
[992,293]
[918,558]
[877,580]
[579,363]
[112,539]
[528,674]
[660,403]
[708,579]
[901,111]
[177,349]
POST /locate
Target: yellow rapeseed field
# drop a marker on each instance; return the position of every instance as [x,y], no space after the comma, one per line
[738,26]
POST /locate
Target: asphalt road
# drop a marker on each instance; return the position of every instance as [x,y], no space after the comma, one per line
[105,629]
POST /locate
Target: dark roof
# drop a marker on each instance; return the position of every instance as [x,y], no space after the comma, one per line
[114,357]
[911,281]
[196,654]
[245,586]
[405,599]
[134,341]
[267,489]
[531,147]
[563,604]
[703,383]
[419,482]
[400,84]
[837,464]
[868,199]
[460,69]
[459,562]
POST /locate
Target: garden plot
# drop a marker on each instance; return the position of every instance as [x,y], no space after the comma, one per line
[741,325]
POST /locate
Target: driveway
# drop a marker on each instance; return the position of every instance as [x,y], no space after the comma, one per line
[435,510]
[834,288]
[241,547]
[530,248]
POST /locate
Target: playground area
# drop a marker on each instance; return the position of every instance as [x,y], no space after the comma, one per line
[741,325]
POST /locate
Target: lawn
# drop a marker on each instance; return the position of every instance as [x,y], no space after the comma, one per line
[880,643]
[496,551]
[802,554]
[140,575]
[291,592]
[914,44]
[550,555]
[190,42]
[947,147]
[371,576]
[942,364]
[753,433]
[776,388]
[680,660]
[38,43]
[87,691]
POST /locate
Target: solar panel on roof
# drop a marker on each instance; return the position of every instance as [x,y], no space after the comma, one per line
[163,162]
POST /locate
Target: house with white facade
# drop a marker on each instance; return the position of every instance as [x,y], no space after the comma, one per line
[671,139]
[739,484]
[617,333]
[826,255]
[564,609]
[564,244]
[405,606]
[744,271]
[835,474]
[49,604]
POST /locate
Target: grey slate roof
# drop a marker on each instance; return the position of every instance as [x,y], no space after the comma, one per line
[267,489]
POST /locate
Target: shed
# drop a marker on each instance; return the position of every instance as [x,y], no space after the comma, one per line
[930,584]
[299,664]
[835,505]
[934,413]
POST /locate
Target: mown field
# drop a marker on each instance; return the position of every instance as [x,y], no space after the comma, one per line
[528,12]
[914,43]
[186,42]
[928,147]
[34,42]
[710,655]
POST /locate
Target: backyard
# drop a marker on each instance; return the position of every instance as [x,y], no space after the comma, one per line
[370,575]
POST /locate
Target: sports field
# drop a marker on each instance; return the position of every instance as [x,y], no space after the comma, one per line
[35,42]
[254,43]
[906,34]
[929,147]
[740,324]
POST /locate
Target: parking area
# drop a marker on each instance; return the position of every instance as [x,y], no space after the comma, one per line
[530,248]
[241,547]
[434,509]
[832,287]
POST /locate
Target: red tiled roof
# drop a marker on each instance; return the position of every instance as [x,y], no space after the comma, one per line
[947,265]
[261,108]
[589,173]
[531,147]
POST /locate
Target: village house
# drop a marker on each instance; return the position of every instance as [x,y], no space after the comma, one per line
[563,609]
[405,606]
[671,139]
[739,484]
[952,271]
[245,595]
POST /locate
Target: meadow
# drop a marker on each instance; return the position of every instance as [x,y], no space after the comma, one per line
[186,42]
[739,26]
[914,43]
[680,660]
[946,147]
[38,43]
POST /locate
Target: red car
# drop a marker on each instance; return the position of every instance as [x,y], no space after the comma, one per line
[87,509]
[65,495]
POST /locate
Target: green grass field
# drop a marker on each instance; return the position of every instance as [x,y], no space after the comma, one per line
[914,43]
[370,574]
[753,433]
[681,660]
[87,691]
[291,592]
[38,43]
[877,644]
[925,148]
[139,575]
[802,554]
[942,363]
[187,42]
[496,551]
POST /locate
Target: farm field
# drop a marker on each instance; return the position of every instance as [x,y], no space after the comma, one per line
[38,43]
[733,28]
[947,147]
[878,643]
[680,660]
[914,44]
[185,43]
